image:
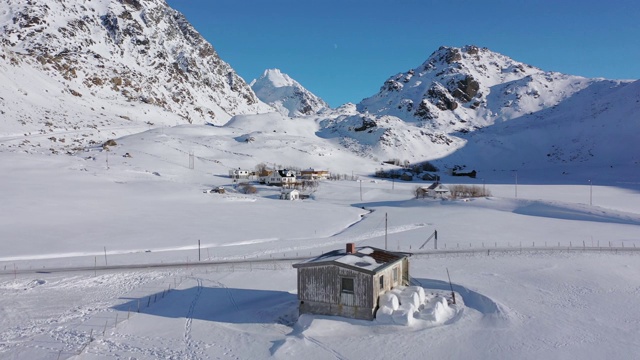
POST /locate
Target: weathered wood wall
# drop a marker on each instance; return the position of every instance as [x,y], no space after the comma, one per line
[319,289]
[322,284]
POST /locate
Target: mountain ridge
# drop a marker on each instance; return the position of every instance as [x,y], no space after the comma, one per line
[74,74]
[464,89]
[107,54]
[286,95]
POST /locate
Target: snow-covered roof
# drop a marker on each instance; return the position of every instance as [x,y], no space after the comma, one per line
[366,259]
[286,173]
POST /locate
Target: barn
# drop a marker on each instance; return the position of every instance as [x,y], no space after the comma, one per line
[348,282]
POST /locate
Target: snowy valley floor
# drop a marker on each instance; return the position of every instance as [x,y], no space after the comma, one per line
[68,212]
[529,306]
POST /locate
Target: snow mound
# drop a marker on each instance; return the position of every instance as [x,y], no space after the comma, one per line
[408,306]
[440,310]
[403,317]
[389,300]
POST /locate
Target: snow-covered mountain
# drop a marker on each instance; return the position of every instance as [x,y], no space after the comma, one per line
[76,64]
[286,95]
[527,116]
[463,89]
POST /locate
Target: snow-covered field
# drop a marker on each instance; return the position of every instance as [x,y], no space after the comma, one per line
[571,292]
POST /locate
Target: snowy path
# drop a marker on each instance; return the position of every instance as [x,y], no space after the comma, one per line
[191,346]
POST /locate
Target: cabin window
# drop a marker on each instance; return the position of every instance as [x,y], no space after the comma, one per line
[347,285]
[381,281]
[395,275]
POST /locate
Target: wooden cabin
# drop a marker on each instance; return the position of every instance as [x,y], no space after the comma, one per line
[348,282]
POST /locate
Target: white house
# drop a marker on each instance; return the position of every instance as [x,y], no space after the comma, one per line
[239,174]
[434,190]
[290,194]
[284,178]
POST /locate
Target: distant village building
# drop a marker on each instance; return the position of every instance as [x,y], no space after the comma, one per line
[348,282]
[407,176]
[284,178]
[313,174]
[239,174]
[264,175]
[290,194]
[435,190]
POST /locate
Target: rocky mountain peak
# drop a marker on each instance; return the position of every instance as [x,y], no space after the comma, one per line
[276,78]
[463,89]
[286,95]
[131,50]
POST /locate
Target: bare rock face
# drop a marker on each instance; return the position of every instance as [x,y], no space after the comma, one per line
[465,89]
[132,50]
[442,98]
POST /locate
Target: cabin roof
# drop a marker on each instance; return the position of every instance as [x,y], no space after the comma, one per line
[366,259]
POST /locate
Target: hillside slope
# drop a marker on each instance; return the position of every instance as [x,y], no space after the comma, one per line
[80,64]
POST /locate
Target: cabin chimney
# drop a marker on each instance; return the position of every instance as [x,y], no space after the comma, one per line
[351,248]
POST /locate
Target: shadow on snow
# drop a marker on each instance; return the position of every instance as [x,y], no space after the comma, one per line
[221,304]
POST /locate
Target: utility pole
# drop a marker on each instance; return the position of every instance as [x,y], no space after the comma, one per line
[385,230]
[516,184]
[453,295]
[360,189]
[198,249]
[590,192]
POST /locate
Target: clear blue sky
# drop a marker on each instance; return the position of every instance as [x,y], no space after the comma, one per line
[343,50]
